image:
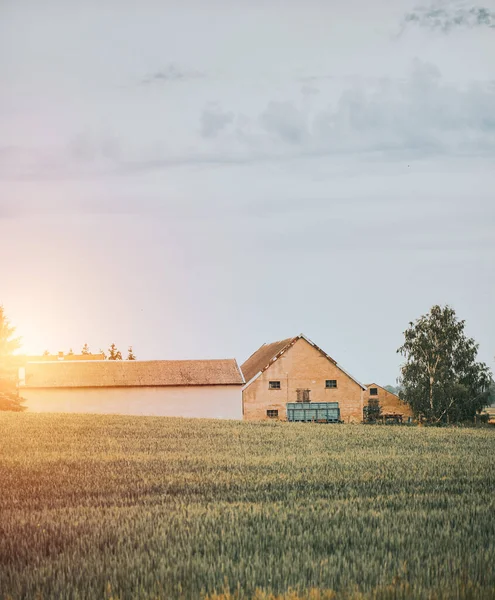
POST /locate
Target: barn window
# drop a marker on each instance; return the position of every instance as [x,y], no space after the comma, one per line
[303,395]
[272,414]
[274,385]
[331,383]
[373,391]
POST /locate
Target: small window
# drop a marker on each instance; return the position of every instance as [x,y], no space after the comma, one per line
[274,385]
[373,391]
[303,395]
[272,414]
[330,383]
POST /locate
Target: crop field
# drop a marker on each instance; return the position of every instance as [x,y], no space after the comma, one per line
[134,507]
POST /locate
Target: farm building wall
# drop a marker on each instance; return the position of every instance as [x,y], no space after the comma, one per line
[302,366]
[207,401]
[389,403]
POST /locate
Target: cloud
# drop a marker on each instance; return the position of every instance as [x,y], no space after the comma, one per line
[86,148]
[447,18]
[285,122]
[172,74]
[213,120]
[421,114]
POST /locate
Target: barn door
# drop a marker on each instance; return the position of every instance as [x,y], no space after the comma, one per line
[303,395]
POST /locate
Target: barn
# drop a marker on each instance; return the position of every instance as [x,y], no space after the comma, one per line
[295,380]
[173,388]
[391,406]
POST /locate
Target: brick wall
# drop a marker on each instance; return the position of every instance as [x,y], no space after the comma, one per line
[389,403]
[302,367]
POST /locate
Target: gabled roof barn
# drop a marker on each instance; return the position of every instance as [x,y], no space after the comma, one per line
[269,353]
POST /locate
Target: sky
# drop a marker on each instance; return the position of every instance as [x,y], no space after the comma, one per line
[198,178]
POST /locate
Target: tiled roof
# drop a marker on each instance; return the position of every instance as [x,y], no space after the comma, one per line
[262,357]
[268,353]
[109,373]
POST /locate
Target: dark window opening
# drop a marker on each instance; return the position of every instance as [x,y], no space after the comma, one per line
[272,414]
[373,391]
[274,385]
[303,395]
[331,383]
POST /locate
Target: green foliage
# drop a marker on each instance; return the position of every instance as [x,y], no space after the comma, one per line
[441,379]
[393,389]
[156,508]
[114,353]
[9,392]
[130,354]
[372,411]
[85,350]
[9,343]
[491,395]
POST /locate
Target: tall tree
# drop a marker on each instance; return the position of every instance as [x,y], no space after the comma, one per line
[9,343]
[441,378]
[114,353]
[85,350]
[130,354]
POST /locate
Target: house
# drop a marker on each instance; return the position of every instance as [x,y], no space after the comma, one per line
[297,370]
[390,403]
[174,388]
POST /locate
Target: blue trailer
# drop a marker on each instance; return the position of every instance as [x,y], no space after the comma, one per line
[313,412]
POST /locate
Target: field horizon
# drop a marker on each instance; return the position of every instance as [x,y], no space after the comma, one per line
[122,507]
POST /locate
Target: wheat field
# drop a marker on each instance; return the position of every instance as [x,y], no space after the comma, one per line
[154,508]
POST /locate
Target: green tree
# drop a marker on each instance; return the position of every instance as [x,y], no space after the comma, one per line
[85,350]
[372,411]
[114,353]
[130,354]
[491,395]
[9,343]
[392,389]
[441,379]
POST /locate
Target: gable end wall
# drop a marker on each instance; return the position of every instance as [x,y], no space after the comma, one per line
[389,403]
[302,366]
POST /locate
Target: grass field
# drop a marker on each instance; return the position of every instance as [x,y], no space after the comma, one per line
[128,507]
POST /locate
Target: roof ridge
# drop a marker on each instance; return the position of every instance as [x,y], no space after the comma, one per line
[250,372]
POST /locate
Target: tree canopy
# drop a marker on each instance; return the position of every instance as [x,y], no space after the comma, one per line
[441,379]
[9,343]
[114,353]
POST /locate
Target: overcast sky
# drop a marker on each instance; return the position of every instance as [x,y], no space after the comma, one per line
[197,178]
